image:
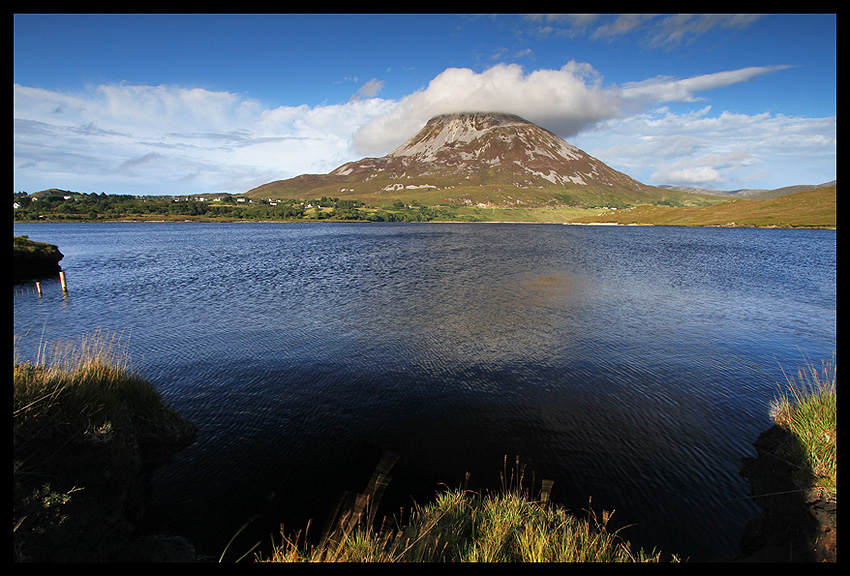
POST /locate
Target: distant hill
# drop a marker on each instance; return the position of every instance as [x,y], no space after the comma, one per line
[751,193]
[815,208]
[480,159]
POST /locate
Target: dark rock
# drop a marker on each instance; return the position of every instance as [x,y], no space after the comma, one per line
[795,524]
[108,474]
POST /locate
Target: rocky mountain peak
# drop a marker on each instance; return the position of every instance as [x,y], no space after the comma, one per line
[498,147]
[504,153]
[473,134]
[453,129]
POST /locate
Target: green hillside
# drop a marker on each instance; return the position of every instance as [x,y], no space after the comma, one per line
[810,209]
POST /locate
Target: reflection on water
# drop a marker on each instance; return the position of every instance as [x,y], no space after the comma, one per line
[633,366]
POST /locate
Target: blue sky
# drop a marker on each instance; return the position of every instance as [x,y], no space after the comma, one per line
[186,104]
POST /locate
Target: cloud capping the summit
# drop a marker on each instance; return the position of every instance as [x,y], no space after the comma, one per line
[566,101]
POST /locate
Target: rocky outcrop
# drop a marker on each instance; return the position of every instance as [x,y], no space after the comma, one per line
[107,474]
[32,259]
[795,524]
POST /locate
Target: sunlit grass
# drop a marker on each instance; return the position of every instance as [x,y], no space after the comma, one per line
[808,409]
[88,385]
[464,526]
[810,209]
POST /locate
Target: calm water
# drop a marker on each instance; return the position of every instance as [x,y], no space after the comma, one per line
[634,366]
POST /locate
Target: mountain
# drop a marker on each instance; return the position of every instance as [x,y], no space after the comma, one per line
[753,193]
[476,158]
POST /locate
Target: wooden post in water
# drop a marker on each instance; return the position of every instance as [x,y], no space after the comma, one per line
[62,280]
[38,287]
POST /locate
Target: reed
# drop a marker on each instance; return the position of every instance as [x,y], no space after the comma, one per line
[83,386]
[464,526]
[807,407]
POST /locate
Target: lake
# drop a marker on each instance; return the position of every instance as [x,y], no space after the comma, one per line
[633,366]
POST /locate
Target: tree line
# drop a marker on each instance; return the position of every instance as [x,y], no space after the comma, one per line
[58,205]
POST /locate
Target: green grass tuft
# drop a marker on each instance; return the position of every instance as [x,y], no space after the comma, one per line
[808,409]
[464,526]
[87,386]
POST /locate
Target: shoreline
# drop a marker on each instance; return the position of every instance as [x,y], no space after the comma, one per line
[330,221]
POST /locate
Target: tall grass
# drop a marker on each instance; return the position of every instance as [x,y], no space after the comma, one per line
[85,389]
[464,526]
[808,409]
[83,386]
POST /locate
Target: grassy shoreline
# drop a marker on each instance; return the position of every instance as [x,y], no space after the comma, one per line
[87,434]
[812,209]
[808,410]
[526,219]
[459,525]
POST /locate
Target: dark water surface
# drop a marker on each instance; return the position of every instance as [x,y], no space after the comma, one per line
[634,366]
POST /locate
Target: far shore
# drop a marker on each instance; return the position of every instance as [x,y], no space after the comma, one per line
[333,221]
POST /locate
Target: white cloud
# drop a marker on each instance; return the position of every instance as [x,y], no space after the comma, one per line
[721,151]
[564,101]
[171,140]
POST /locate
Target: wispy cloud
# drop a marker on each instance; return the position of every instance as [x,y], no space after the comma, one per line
[673,31]
[619,26]
[652,32]
[161,137]
[668,89]
[370,89]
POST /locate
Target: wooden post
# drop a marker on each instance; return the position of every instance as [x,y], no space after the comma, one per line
[62,280]
[38,287]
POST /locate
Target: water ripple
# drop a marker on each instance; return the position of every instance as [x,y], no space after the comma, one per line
[630,365]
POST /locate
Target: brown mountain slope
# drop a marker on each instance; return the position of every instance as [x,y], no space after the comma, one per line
[490,159]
